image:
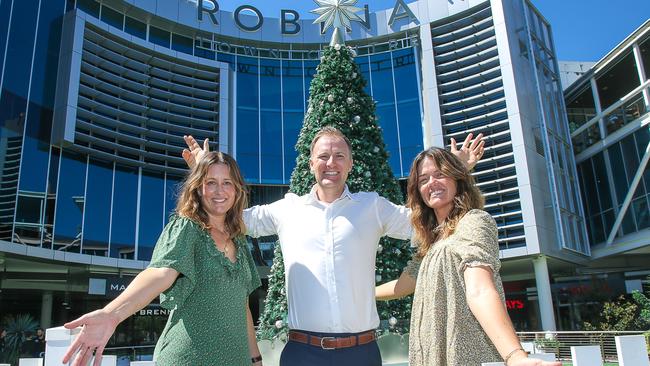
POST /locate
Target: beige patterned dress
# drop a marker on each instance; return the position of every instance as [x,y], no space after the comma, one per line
[443,329]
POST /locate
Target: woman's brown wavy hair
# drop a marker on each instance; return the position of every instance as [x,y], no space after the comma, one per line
[189,201]
[468,197]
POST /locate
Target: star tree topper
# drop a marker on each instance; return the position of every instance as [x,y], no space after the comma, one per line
[337,14]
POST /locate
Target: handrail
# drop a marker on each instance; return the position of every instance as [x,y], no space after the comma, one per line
[609,109]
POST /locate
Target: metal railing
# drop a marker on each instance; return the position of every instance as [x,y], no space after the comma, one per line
[560,343]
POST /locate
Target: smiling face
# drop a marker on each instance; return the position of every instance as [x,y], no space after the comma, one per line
[330,162]
[436,189]
[218,190]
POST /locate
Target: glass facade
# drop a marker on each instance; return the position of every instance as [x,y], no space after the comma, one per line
[610,138]
[108,189]
[554,136]
[95,98]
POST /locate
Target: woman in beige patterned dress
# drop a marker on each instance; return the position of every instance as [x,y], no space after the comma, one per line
[459,317]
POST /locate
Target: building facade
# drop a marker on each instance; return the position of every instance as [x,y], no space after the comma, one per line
[96,96]
[608,114]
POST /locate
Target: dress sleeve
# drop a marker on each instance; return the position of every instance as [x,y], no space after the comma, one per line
[175,249]
[477,245]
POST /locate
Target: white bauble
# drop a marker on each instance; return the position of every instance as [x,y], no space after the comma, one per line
[357,119]
[330,98]
[279,324]
[350,100]
[392,321]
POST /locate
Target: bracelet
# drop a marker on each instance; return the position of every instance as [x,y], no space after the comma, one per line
[505,359]
[256,359]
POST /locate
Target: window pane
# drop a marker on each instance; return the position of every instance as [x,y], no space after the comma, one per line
[158,36]
[271,122]
[125,198]
[98,208]
[602,184]
[172,190]
[182,44]
[135,27]
[248,118]
[70,203]
[112,17]
[151,213]
[89,6]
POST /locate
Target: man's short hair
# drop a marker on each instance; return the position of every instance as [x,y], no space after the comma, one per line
[329,131]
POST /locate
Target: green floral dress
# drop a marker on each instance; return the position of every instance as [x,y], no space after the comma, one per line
[207,322]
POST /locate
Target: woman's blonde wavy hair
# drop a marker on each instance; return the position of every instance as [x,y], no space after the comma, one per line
[468,197]
[189,201]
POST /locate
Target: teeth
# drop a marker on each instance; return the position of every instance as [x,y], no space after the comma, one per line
[220,200]
[331,173]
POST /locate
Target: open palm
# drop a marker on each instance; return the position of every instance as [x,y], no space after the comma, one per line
[97,328]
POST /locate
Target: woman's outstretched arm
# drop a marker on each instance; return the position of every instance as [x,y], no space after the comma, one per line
[99,325]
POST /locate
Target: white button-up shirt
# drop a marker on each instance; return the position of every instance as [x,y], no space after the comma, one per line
[329,255]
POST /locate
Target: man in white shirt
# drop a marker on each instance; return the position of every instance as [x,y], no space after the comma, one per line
[329,239]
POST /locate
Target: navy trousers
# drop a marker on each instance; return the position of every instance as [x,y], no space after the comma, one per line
[301,354]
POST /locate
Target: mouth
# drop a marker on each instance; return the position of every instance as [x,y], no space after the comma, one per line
[331,174]
[218,200]
[437,193]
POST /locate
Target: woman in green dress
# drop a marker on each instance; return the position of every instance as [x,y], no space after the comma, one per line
[202,270]
[458,317]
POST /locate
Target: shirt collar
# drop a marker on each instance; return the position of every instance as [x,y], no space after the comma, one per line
[312,197]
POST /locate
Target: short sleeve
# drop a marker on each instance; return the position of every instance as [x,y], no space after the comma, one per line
[175,249]
[255,281]
[478,243]
[413,267]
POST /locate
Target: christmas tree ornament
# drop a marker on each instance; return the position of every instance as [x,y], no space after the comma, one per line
[392,321]
[378,278]
[337,47]
[279,324]
[329,105]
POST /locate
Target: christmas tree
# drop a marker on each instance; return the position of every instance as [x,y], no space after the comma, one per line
[337,98]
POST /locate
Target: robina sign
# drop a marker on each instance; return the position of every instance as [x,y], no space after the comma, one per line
[289,19]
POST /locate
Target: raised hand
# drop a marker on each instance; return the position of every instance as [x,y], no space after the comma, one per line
[97,328]
[195,152]
[471,151]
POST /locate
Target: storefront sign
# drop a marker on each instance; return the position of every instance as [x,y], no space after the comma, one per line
[514,304]
[153,312]
[116,285]
[289,18]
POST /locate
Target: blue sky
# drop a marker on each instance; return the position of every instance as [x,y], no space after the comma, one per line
[584,30]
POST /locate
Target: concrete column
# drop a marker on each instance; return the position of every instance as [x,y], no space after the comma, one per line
[46,309]
[431,119]
[544,296]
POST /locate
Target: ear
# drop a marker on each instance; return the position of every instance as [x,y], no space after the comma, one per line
[311,165]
